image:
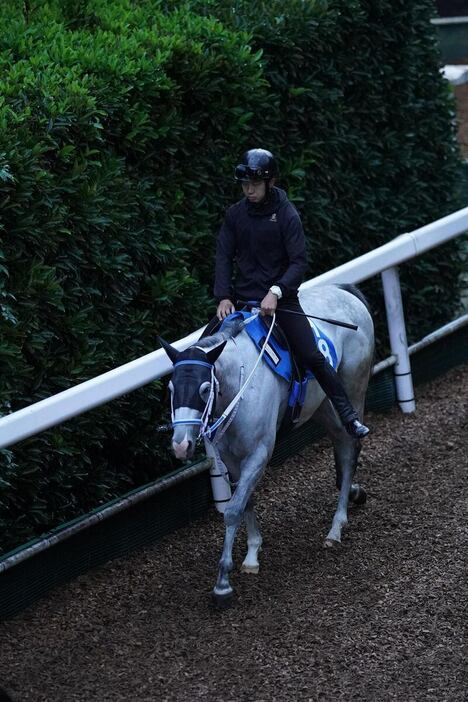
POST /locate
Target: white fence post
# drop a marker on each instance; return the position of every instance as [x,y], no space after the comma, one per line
[398,340]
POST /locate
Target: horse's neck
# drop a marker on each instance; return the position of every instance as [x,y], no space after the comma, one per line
[231,369]
[234,366]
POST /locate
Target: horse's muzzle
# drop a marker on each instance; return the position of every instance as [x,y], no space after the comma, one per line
[184,450]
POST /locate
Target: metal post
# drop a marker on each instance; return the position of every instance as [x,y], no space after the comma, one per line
[398,341]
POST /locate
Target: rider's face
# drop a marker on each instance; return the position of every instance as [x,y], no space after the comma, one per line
[254,190]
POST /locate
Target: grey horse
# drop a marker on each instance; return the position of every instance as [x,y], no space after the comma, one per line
[215,367]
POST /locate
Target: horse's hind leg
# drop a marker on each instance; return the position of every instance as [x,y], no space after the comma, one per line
[346,450]
[254,540]
[357,494]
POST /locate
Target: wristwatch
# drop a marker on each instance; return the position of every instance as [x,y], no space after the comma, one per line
[276,290]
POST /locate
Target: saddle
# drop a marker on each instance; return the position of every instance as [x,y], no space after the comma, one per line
[280,358]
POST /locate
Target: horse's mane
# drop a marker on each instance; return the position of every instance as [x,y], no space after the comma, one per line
[231,329]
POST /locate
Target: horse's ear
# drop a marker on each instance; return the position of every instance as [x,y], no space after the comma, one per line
[214,354]
[170,350]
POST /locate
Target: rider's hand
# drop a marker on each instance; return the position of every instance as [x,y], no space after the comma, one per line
[269,304]
[225,308]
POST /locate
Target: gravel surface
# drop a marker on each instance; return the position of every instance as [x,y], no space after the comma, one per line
[380,618]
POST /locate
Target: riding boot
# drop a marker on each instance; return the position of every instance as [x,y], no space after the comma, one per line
[356,429]
[331,384]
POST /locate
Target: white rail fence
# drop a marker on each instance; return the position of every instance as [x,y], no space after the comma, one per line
[383,260]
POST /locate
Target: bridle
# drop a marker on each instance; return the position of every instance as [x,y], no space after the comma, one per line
[210,403]
[208,432]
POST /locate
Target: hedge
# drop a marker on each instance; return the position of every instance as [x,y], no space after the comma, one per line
[119,126]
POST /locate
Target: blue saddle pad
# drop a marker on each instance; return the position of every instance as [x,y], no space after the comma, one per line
[276,356]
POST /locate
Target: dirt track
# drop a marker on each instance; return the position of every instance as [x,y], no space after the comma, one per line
[381,618]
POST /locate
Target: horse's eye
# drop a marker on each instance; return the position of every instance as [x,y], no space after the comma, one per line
[204,390]
[170,386]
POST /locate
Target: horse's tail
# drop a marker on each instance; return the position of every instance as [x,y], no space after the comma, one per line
[354,290]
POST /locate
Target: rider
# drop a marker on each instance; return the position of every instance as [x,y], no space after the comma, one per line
[262,235]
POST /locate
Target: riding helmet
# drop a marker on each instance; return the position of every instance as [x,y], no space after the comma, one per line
[257,164]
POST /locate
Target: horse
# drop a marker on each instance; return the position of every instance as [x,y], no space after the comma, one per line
[212,371]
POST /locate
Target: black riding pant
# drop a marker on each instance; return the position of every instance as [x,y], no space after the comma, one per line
[303,345]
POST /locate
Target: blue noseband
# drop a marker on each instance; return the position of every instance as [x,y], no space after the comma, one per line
[193,363]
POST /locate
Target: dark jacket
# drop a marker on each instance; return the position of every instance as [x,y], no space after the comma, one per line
[267,245]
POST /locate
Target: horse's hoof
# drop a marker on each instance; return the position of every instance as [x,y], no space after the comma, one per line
[222,601]
[250,569]
[331,543]
[358,496]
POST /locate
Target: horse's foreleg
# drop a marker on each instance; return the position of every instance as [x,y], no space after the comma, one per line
[222,591]
[346,455]
[254,540]
[251,471]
